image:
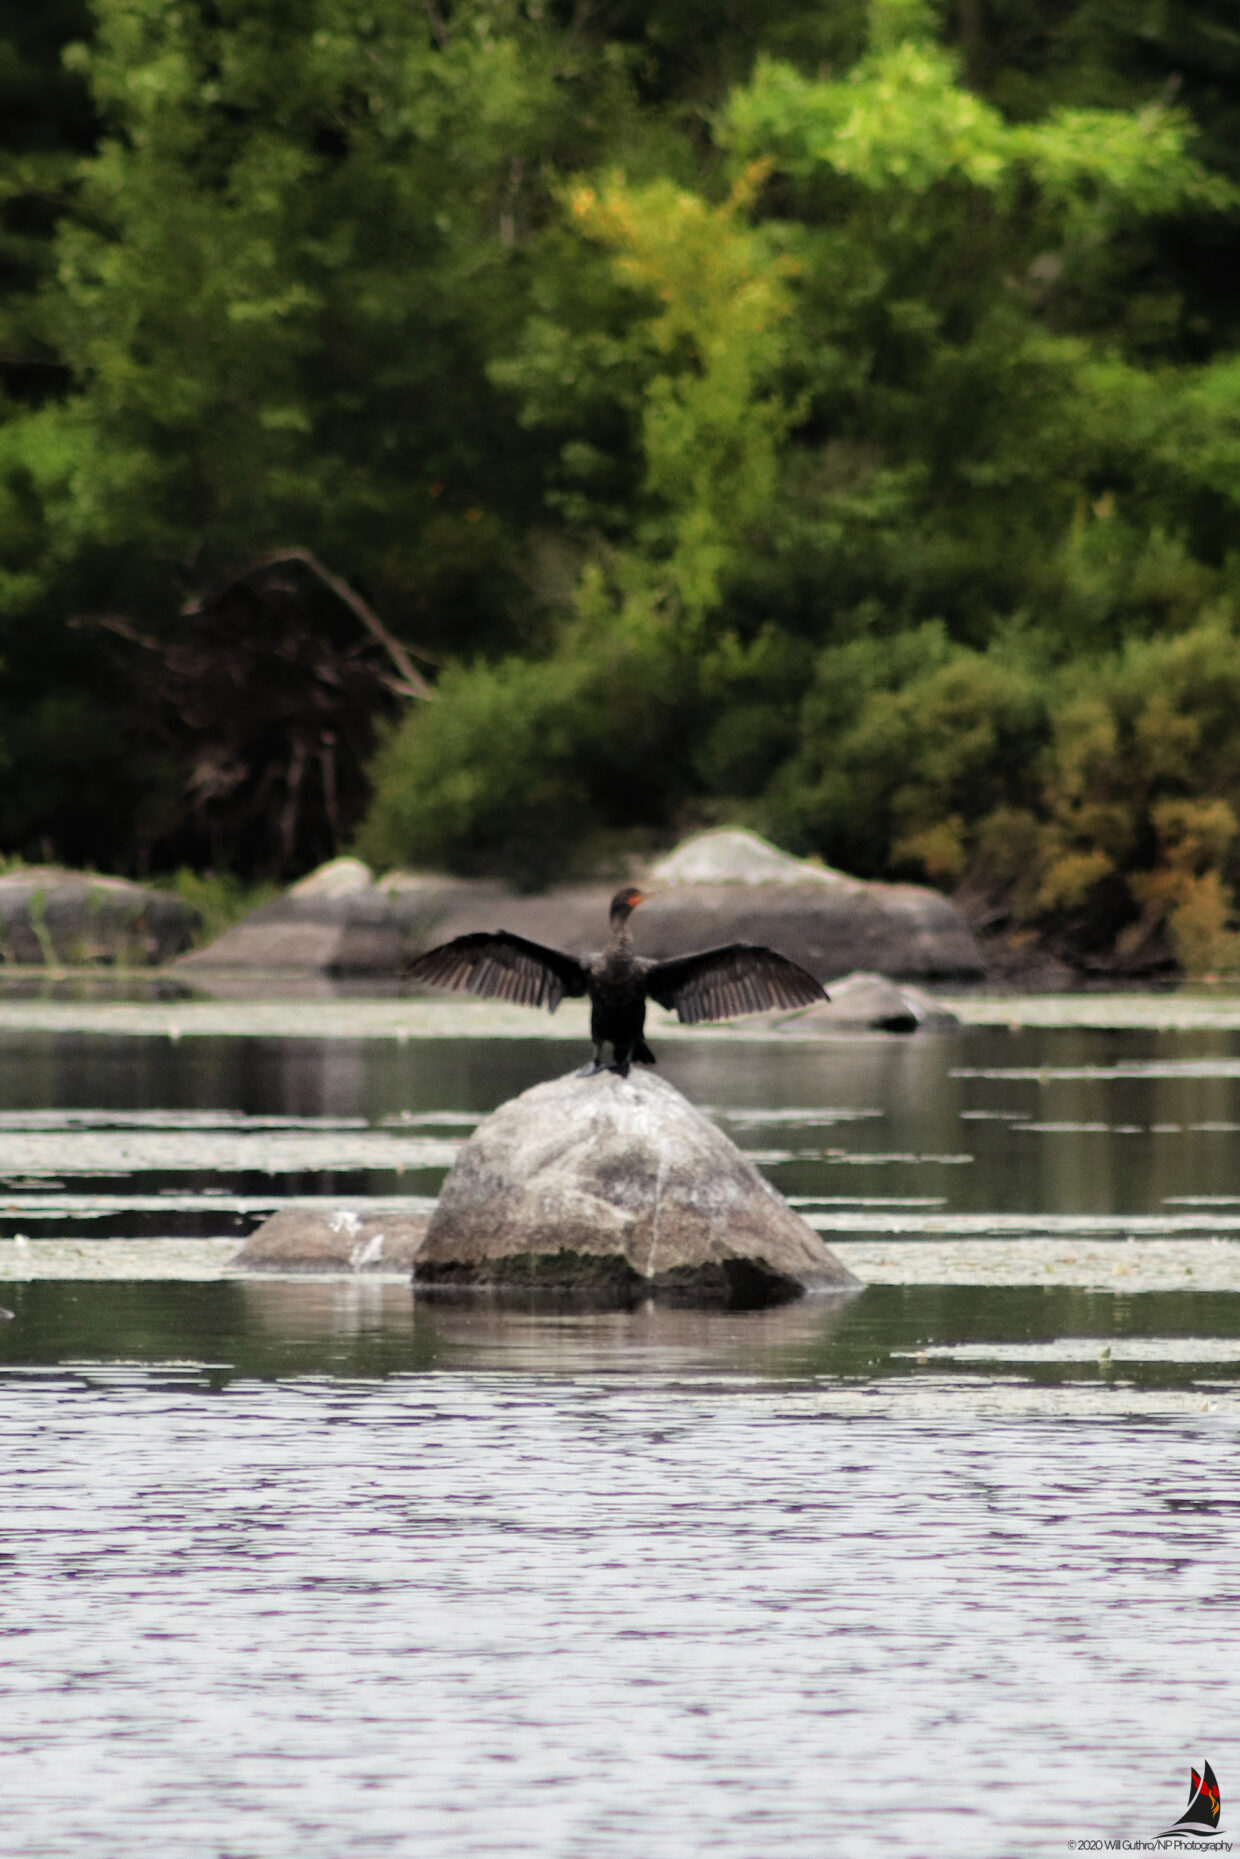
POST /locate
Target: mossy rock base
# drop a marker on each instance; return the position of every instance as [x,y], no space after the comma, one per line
[592,1282]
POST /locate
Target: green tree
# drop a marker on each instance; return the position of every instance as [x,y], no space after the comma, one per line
[797,414]
[856,419]
[47,123]
[303,234]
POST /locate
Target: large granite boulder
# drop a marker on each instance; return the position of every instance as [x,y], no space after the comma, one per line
[731,886]
[50,915]
[619,1189]
[724,886]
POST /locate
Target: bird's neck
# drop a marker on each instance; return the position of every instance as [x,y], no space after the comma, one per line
[621,935]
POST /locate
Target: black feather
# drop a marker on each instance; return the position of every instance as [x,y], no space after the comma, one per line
[713,984]
[500,966]
[739,978]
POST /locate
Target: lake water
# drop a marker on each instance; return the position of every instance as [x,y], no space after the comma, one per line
[304,1567]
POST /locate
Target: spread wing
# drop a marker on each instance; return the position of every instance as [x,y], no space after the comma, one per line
[742,977]
[501,966]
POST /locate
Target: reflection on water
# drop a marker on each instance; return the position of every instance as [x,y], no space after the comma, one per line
[1038,1121]
[973,1122]
[480,1613]
[297,1570]
[268,1329]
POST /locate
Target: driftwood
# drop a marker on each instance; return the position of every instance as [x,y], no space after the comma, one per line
[268,694]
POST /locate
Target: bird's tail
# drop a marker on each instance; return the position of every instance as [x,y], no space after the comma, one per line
[642,1055]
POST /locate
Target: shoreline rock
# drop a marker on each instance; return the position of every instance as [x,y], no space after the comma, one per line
[340,920]
[727,886]
[617,1189]
[51,916]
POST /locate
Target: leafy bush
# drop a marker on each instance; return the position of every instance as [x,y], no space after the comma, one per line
[905,743]
[1097,794]
[220,898]
[1141,793]
[527,767]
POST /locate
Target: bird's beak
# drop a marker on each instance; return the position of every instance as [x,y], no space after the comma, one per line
[643,897]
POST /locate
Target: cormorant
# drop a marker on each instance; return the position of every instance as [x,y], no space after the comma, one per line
[714,984]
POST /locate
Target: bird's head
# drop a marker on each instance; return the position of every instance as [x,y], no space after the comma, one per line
[625,902]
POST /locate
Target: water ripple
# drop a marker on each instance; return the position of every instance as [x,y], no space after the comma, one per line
[481,1614]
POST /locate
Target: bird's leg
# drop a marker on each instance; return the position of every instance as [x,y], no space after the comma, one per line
[621,1059]
[596,1064]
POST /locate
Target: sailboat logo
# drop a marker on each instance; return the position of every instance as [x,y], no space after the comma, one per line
[1200,1818]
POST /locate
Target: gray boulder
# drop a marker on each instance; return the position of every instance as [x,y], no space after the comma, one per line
[732,855]
[725,886]
[901,929]
[619,1189]
[731,886]
[48,914]
[341,921]
[303,1239]
[871,1002]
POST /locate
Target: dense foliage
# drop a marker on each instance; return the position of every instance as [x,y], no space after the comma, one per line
[821,417]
